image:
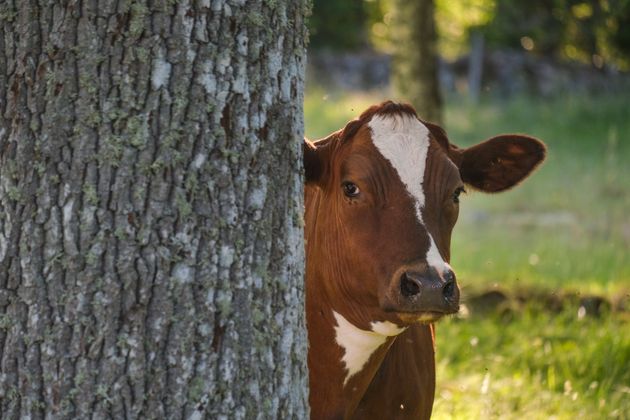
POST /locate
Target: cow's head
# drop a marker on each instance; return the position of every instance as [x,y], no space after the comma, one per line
[387,192]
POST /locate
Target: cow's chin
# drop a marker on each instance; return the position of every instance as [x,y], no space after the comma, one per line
[428,317]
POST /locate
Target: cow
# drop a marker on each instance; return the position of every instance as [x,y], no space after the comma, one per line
[381,199]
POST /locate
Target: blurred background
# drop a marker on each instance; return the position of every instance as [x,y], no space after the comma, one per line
[545,268]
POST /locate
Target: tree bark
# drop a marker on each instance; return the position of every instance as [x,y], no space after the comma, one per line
[415,61]
[151,244]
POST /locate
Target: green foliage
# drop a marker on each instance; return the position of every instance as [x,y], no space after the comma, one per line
[337,24]
[594,31]
[348,24]
[620,25]
[514,20]
[379,23]
[455,21]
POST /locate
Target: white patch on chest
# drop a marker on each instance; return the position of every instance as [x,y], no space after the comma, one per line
[358,344]
[404,141]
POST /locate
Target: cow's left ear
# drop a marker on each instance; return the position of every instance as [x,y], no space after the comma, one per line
[315,155]
[313,167]
[499,163]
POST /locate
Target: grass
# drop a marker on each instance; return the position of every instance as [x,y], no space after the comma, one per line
[540,366]
[566,229]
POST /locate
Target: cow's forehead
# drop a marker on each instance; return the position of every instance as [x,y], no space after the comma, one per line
[404,141]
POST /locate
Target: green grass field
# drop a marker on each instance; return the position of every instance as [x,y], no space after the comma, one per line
[565,231]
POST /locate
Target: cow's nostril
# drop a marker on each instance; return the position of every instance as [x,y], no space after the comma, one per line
[408,287]
[448,291]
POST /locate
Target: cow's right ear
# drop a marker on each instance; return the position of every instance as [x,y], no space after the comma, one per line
[316,156]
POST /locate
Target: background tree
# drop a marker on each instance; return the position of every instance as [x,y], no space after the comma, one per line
[151,253]
[415,59]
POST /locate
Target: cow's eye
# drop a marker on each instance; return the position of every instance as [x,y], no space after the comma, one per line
[457,193]
[350,190]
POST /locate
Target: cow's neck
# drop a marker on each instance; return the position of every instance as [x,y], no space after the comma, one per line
[343,358]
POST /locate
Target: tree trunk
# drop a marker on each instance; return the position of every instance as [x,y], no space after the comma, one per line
[415,62]
[151,251]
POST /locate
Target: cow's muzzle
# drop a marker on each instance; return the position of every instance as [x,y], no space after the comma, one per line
[423,291]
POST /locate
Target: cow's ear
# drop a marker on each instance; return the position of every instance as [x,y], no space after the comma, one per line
[312,162]
[499,163]
[316,159]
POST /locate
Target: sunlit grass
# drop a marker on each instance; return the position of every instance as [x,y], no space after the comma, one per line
[537,366]
[564,230]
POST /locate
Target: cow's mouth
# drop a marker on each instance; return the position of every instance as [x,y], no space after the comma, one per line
[422,317]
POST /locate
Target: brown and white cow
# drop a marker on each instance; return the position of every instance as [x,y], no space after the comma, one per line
[381,198]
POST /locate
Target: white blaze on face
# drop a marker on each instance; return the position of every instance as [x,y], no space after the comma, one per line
[435,260]
[358,344]
[404,141]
